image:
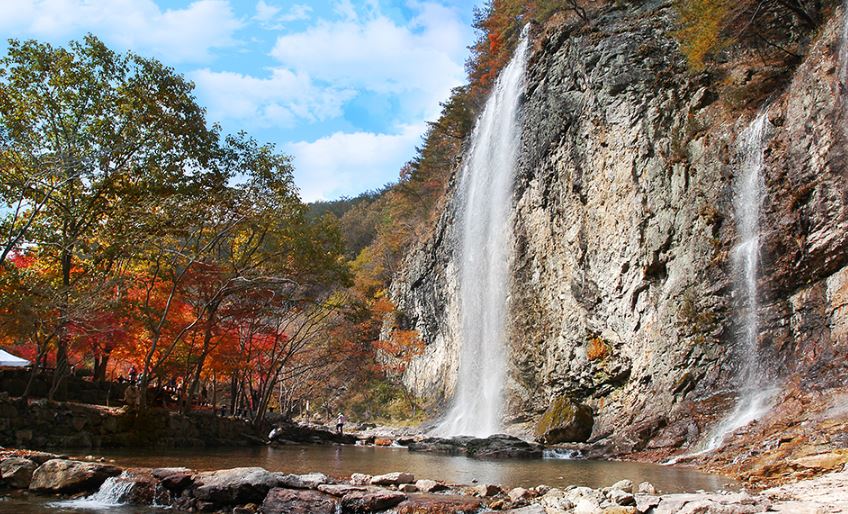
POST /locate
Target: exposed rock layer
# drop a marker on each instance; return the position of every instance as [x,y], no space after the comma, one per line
[621,293]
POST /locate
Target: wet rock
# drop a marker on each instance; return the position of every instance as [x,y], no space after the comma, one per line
[250,508]
[370,501]
[487,490]
[287,501]
[430,486]
[133,488]
[16,472]
[70,476]
[293,432]
[360,479]
[396,478]
[565,421]
[407,488]
[307,481]
[178,481]
[439,504]
[382,441]
[235,486]
[502,446]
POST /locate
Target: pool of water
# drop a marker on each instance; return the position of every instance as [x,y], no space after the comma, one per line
[341,461]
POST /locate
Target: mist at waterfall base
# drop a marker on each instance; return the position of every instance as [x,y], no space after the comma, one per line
[756,391]
[485,199]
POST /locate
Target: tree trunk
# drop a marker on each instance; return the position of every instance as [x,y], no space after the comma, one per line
[62,365]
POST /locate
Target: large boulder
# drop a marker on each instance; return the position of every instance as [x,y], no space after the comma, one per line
[71,476]
[395,478]
[565,422]
[307,481]
[439,504]
[16,472]
[287,501]
[235,486]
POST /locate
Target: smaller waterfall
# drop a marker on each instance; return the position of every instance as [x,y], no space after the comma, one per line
[755,394]
[113,493]
[485,199]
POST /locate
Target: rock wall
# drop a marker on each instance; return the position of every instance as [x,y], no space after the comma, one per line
[623,225]
[40,424]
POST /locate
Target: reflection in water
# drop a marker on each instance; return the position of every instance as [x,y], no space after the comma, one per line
[341,461]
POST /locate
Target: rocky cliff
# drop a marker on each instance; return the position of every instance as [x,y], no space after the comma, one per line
[621,295]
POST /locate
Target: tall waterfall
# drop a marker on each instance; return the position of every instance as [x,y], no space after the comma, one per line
[755,393]
[485,199]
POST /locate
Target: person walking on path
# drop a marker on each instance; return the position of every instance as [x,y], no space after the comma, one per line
[340,422]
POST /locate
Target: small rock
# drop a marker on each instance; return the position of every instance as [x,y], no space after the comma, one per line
[393,479]
[498,504]
[430,486]
[647,488]
[407,488]
[624,485]
[382,441]
[646,503]
[438,503]
[362,502]
[519,493]
[530,509]
[360,479]
[620,509]
[487,490]
[621,497]
[161,473]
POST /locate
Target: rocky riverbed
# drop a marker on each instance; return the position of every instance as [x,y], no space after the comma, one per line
[254,490]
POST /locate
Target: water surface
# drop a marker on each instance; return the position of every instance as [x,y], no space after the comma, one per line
[341,461]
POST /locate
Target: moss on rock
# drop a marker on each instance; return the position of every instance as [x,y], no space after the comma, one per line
[565,421]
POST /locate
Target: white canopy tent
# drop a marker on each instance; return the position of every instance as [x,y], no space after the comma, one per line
[8,360]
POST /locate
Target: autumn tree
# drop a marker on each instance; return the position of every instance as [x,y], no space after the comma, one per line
[81,128]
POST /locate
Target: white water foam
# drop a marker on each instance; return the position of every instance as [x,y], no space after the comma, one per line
[485,198]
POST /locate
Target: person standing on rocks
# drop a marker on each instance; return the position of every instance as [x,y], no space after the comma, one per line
[340,423]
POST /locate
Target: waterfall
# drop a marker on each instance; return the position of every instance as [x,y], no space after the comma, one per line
[755,393]
[113,492]
[485,199]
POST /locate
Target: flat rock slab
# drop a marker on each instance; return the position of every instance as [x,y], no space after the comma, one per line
[363,502]
[308,481]
[288,501]
[430,486]
[396,478]
[439,504]
[235,486]
[340,489]
[161,473]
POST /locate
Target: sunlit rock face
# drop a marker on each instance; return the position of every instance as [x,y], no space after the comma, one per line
[621,290]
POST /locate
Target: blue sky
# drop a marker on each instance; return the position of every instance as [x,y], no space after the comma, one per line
[344,86]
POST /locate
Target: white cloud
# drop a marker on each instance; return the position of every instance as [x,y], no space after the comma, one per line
[349,163]
[420,61]
[280,100]
[176,35]
[269,17]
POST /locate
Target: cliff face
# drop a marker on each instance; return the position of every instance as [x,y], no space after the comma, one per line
[623,228]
